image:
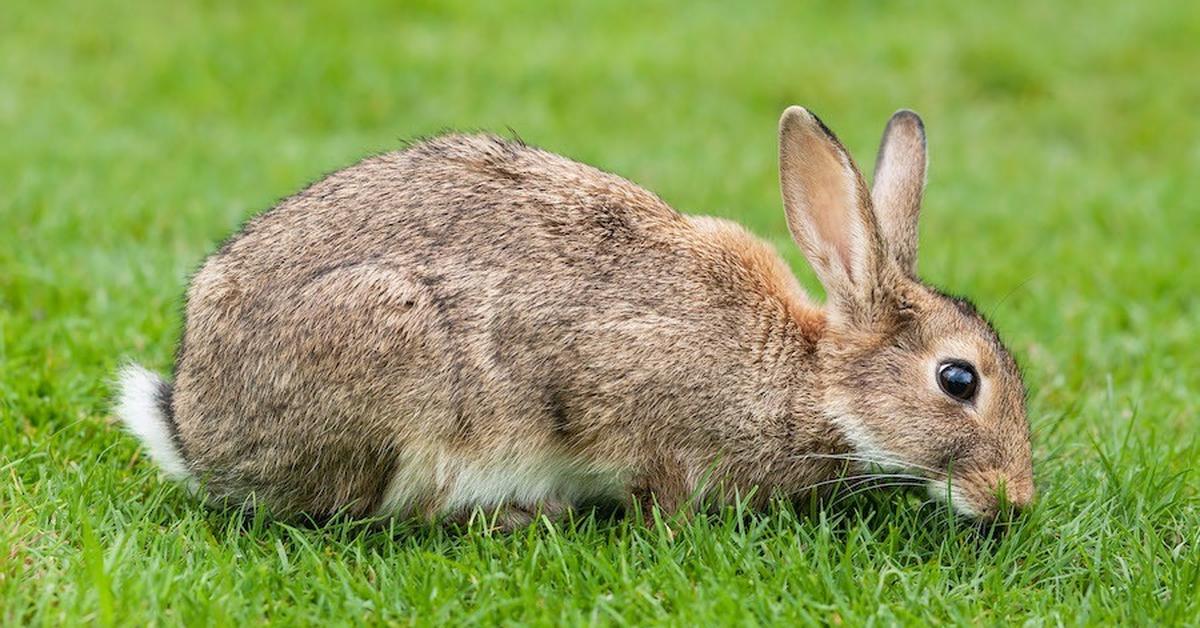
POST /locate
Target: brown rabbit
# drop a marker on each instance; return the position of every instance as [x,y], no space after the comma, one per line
[475,323]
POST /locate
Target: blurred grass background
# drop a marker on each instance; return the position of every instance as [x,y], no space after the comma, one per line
[1065,152]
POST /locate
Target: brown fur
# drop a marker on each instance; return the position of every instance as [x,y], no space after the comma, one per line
[478,299]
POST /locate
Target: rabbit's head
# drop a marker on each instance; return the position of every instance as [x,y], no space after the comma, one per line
[914,379]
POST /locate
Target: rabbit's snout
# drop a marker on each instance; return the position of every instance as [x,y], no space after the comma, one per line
[990,495]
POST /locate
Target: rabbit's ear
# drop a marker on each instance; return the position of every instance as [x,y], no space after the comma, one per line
[829,214]
[898,185]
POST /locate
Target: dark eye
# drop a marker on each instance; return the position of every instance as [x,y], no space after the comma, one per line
[958,379]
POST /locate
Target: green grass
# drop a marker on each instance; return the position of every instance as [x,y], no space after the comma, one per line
[1062,197]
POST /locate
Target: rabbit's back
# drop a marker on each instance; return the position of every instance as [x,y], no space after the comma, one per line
[465,306]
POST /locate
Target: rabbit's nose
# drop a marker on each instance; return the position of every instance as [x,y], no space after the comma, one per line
[1017,495]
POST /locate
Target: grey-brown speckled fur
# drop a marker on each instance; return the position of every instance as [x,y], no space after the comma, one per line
[474,310]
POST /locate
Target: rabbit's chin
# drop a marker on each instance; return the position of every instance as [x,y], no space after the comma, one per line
[955,496]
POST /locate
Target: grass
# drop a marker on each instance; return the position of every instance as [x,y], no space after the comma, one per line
[1061,197]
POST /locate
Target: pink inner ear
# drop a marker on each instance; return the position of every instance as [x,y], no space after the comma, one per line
[898,186]
[832,207]
[827,205]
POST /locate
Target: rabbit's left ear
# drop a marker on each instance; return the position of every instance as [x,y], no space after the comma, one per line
[898,186]
[829,214]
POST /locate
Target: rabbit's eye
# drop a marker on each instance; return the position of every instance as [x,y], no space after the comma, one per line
[958,379]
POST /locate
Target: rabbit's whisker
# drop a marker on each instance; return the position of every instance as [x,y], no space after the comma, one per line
[858,480]
[882,461]
[863,489]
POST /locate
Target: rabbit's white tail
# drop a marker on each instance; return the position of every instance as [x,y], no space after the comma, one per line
[144,406]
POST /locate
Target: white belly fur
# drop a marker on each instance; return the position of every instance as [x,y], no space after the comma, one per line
[464,484]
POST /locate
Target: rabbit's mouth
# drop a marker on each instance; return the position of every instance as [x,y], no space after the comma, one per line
[983,496]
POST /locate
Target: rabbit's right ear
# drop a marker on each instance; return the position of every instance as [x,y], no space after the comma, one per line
[829,214]
[898,186]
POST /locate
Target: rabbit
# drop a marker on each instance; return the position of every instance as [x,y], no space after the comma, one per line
[474,324]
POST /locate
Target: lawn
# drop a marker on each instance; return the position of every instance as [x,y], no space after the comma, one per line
[1065,152]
